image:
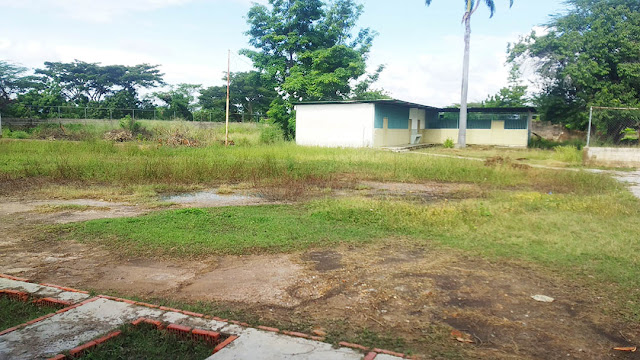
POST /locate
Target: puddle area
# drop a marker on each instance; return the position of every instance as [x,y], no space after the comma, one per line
[213,199]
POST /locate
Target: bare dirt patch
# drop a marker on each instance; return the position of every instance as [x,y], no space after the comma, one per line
[398,289]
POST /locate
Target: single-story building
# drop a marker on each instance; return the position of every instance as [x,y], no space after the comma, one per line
[379,123]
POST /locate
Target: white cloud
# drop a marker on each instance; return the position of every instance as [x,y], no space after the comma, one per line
[433,76]
[97,11]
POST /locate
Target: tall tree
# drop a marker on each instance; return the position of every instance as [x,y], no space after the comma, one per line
[471,7]
[181,99]
[588,56]
[310,48]
[13,82]
[81,82]
[513,95]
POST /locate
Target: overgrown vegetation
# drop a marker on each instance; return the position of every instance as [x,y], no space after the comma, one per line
[15,312]
[146,342]
[262,165]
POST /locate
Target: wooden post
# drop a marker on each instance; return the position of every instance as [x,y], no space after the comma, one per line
[226,133]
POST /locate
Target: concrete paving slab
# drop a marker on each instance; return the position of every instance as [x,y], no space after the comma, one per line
[69,329]
[42,291]
[258,344]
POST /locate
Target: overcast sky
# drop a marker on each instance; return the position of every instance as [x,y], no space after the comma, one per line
[421,46]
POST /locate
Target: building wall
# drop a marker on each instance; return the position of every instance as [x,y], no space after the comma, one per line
[497,135]
[335,125]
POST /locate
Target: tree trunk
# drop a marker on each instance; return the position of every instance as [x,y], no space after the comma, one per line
[462,132]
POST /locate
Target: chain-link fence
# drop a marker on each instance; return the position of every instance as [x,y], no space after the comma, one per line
[101,113]
[613,126]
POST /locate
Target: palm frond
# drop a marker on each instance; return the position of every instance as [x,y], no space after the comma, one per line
[492,6]
[427,2]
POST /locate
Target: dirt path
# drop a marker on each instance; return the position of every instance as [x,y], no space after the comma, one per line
[415,292]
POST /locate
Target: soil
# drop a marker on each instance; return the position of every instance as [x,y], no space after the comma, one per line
[415,292]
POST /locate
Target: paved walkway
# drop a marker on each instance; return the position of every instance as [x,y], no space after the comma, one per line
[92,317]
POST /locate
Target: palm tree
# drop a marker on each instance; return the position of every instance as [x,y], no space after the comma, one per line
[472,6]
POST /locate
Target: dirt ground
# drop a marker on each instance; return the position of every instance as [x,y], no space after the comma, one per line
[415,292]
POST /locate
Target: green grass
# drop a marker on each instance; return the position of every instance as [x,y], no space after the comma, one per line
[282,164]
[557,156]
[592,236]
[145,342]
[16,312]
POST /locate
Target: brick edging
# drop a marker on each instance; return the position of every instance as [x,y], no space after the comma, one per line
[208,336]
[24,296]
[5,276]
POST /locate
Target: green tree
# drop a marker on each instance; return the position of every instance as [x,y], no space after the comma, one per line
[13,82]
[471,7]
[81,82]
[513,95]
[588,57]
[180,99]
[310,48]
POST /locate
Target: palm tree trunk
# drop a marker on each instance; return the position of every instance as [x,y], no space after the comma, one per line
[462,132]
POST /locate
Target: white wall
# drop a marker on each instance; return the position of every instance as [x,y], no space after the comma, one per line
[335,125]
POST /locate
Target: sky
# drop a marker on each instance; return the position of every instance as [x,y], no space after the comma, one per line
[421,46]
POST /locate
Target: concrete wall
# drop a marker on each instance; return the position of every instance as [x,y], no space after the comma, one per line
[335,125]
[627,157]
[497,135]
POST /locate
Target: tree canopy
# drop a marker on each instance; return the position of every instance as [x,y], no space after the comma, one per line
[590,56]
[311,49]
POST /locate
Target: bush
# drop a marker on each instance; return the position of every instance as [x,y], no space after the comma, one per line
[19,134]
[271,133]
[448,143]
[129,123]
[568,153]
[541,143]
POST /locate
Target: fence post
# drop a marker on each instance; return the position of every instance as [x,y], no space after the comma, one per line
[133,112]
[0,125]
[85,112]
[589,129]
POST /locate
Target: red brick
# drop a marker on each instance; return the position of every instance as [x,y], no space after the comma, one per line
[298,334]
[15,294]
[226,342]
[114,334]
[77,351]
[146,304]
[190,313]
[352,345]
[210,337]
[219,319]
[13,278]
[39,319]
[316,338]
[137,321]
[58,357]
[164,308]
[6,331]
[179,329]
[51,302]
[370,356]
[128,301]
[268,328]
[108,337]
[156,323]
[382,351]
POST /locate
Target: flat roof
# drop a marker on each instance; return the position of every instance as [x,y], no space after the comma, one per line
[517,109]
[379,101]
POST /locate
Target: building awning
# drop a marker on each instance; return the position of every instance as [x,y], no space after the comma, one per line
[510,110]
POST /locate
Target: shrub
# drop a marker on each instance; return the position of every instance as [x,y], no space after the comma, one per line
[541,143]
[129,123]
[448,143]
[271,133]
[19,134]
[568,153]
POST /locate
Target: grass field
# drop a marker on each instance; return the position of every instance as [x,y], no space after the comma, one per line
[16,312]
[573,225]
[280,164]
[145,342]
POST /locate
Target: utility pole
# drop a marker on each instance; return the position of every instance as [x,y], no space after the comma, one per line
[226,133]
